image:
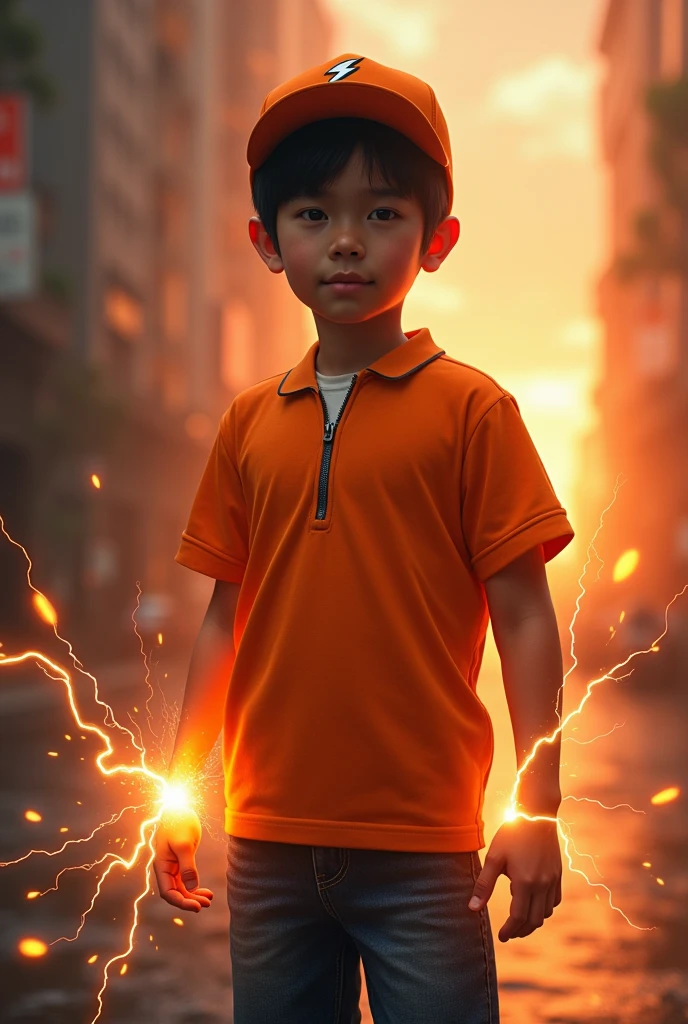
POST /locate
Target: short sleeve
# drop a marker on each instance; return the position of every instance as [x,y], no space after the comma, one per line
[508,504]
[215,541]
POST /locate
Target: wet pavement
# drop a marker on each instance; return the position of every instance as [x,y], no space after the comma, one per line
[587,964]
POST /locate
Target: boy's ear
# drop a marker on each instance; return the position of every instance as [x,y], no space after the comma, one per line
[441,244]
[262,243]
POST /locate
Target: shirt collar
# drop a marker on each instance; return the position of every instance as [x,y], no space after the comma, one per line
[413,355]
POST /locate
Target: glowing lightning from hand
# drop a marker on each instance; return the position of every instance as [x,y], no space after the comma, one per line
[167,796]
[513,811]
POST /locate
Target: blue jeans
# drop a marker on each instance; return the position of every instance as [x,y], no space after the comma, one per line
[303,917]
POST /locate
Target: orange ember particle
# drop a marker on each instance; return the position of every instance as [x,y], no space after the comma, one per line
[622,616]
[53,753]
[67,736]
[32,816]
[65,829]
[45,609]
[626,565]
[32,947]
[178,920]
[159,638]
[92,959]
[123,969]
[95,480]
[646,864]
[665,796]
[660,881]
[33,894]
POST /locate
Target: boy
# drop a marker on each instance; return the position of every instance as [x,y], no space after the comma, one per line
[362,515]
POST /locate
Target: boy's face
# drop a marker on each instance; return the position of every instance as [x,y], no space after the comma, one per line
[350,228]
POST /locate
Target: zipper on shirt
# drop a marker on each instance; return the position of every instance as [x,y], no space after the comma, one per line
[328,441]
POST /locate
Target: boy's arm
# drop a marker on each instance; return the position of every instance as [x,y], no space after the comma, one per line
[212,660]
[200,723]
[527,638]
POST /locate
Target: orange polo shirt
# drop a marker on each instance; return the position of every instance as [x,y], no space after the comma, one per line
[352,717]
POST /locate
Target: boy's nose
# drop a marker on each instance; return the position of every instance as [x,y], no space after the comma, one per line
[347,246]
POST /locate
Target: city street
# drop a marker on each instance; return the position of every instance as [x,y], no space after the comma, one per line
[587,964]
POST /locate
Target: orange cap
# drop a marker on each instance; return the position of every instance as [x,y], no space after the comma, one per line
[353,86]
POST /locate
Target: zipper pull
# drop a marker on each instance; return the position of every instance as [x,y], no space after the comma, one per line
[329,430]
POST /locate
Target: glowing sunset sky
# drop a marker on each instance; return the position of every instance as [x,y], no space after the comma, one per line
[518,84]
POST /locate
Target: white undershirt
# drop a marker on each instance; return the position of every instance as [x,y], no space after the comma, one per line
[334,391]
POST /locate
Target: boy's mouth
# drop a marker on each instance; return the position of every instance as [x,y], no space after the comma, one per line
[347,277]
[345,287]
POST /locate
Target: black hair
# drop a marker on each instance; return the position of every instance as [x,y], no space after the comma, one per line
[312,157]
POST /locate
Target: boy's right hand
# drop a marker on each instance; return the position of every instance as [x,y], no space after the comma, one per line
[176,842]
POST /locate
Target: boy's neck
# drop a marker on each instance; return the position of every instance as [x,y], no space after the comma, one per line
[348,348]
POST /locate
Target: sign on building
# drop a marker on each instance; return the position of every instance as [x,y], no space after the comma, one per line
[13,142]
[17,245]
[657,316]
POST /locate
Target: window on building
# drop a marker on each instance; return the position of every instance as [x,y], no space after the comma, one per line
[173,211]
[175,389]
[123,312]
[174,301]
[656,331]
[672,38]
[172,28]
[176,137]
[236,346]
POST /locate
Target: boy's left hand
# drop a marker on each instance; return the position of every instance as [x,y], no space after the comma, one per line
[528,853]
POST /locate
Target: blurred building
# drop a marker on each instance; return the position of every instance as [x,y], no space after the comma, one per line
[643,396]
[141,175]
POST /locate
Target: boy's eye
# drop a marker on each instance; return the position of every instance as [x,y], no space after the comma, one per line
[380,209]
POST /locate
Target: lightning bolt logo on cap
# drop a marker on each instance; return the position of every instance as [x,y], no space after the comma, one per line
[344,69]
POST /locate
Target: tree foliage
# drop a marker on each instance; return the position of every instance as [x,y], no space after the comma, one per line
[661,231]
[21,50]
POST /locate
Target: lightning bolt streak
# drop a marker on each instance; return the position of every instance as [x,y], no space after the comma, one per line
[62,675]
[590,687]
[614,807]
[70,842]
[75,867]
[514,812]
[109,719]
[132,931]
[116,859]
[149,685]
[141,771]
[584,743]
[579,598]
[579,854]
[566,837]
